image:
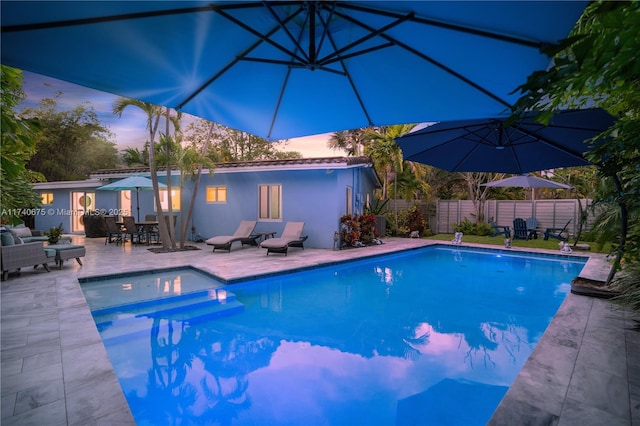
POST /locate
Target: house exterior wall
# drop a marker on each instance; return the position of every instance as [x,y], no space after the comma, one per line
[315,197]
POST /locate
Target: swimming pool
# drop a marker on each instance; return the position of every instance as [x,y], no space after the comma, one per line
[435,335]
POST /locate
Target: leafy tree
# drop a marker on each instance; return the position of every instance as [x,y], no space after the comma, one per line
[234,145]
[19,136]
[597,66]
[477,192]
[72,143]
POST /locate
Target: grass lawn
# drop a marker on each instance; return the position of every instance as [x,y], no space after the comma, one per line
[550,244]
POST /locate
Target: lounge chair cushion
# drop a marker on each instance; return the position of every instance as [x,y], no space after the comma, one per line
[291,234]
[244,231]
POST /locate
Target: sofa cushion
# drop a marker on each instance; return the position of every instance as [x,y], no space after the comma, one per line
[7,239]
[20,232]
[35,239]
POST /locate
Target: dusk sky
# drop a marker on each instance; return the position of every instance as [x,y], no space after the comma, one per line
[130,129]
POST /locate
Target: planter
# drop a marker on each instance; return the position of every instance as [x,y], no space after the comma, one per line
[381,226]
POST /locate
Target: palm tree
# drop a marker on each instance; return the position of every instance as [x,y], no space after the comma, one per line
[384,151]
[135,157]
[350,141]
[154,113]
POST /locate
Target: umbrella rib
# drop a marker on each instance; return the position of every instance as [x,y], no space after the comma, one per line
[284,86]
[459,28]
[232,63]
[288,64]
[258,34]
[285,29]
[358,53]
[325,30]
[549,142]
[428,59]
[337,53]
[351,83]
[103,19]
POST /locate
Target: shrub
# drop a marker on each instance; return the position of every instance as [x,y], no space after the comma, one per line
[367,228]
[471,228]
[408,220]
[357,230]
[415,220]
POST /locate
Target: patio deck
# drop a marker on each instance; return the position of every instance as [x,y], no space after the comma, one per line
[55,370]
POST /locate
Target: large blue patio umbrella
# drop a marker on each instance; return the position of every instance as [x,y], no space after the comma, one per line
[492,145]
[282,69]
[132,183]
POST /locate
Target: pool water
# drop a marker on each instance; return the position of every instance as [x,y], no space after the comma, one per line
[430,336]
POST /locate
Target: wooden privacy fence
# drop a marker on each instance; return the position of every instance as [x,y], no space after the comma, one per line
[549,213]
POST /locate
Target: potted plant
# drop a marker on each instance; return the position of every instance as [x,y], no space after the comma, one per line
[54,234]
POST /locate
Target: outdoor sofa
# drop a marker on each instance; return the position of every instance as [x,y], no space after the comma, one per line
[16,256]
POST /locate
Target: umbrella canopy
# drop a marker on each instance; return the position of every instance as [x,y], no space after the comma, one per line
[283,69]
[132,183]
[488,145]
[527,181]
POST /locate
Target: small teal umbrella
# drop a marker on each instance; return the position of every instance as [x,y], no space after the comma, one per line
[131,183]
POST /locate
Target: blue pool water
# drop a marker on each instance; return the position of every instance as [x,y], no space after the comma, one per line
[430,336]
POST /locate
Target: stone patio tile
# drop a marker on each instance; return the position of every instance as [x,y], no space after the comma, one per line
[517,412]
[601,390]
[578,413]
[45,392]
[53,414]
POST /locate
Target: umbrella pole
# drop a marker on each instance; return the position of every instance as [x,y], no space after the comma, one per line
[138,202]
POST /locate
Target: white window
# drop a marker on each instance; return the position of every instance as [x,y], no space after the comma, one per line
[270,202]
[349,200]
[216,194]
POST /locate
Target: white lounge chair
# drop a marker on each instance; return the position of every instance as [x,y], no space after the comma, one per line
[291,237]
[243,233]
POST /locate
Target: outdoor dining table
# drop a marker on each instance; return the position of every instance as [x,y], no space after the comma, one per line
[146,226]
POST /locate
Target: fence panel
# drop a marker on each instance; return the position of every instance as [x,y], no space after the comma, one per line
[448,216]
[549,213]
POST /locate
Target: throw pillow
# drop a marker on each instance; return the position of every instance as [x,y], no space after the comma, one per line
[21,232]
[7,239]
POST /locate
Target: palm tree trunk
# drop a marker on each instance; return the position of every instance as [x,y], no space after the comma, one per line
[169,190]
[162,224]
[192,202]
